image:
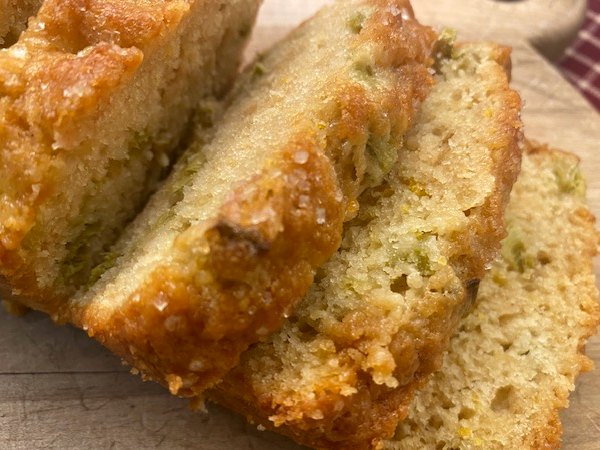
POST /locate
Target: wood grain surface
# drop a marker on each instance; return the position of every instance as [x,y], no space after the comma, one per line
[59,389]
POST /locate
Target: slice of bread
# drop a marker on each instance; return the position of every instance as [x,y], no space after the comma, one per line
[230,243]
[514,359]
[95,98]
[13,18]
[341,372]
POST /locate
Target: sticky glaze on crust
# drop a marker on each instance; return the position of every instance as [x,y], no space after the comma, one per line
[95,98]
[287,162]
[345,380]
[230,284]
[45,84]
[514,360]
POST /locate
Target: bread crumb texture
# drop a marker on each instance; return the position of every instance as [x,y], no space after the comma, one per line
[230,243]
[512,363]
[341,372]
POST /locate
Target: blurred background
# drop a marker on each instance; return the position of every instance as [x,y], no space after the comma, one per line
[581,62]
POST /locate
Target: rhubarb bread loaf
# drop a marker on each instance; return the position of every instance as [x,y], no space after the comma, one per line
[95,99]
[230,243]
[13,18]
[514,360]
[341,372]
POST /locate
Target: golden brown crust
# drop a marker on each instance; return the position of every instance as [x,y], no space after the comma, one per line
[370,407]
[40,109]
[481,244]
[220,298]
[31,165]
[547,436]
[362,419]
[72,25]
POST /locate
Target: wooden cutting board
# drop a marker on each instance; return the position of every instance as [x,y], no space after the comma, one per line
[59,389]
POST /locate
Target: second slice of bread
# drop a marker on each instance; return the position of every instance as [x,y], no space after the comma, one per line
[341,372]
[231,241]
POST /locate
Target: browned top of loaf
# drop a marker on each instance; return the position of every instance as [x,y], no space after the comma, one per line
[228,281]
[64,67]
[334,379]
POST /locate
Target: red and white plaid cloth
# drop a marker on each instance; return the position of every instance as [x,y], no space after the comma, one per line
[581,63]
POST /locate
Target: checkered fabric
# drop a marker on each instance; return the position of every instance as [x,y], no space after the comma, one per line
[581,63]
